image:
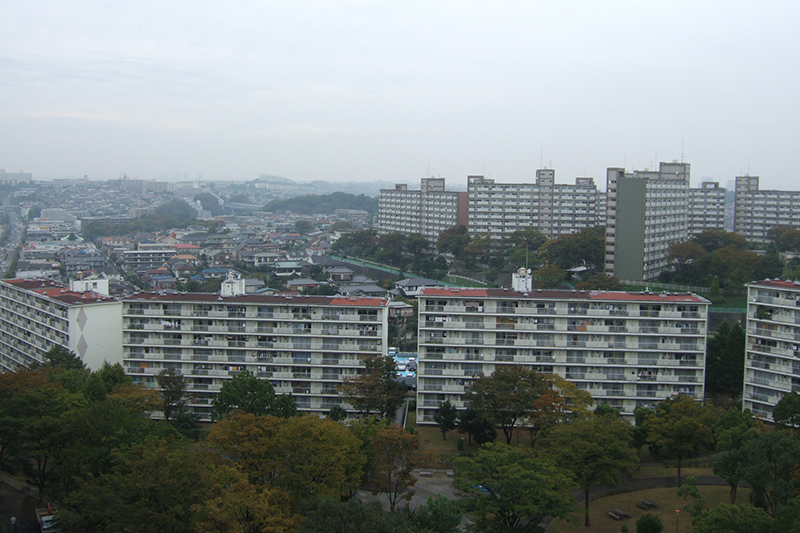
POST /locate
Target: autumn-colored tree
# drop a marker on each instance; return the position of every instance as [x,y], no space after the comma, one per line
[594,450]
[562,402]
[375,390]
[507,488]
[242,507]
[317,457]
[247,440]
[396,457]
[681,428]
[507,396]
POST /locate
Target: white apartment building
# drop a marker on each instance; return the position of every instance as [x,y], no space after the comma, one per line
[626,349]
[499,209]
[706,208]
[772,363]
[147,257]
[757,211]
[37,315]
[429,210]
[647,211]
[305,346]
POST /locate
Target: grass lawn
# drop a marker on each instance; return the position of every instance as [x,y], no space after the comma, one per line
[666,499]
[738,301]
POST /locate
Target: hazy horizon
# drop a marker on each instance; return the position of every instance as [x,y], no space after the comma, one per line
[362,91]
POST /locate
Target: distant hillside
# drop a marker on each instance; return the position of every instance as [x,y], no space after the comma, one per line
[328,203]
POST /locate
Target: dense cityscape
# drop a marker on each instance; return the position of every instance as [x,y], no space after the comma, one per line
[399,267]
[504,309]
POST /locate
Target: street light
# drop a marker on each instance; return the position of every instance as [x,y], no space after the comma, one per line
[677,515]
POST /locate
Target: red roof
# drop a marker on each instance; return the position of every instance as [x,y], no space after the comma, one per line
[206,297]
[556,294]
[778,284]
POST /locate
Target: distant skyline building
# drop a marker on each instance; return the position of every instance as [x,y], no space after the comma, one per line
[647,212]
[428,211]
[706,208]
[757,211]
[14,178]
[500,209]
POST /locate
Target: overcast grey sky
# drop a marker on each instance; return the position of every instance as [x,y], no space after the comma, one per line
[348,90]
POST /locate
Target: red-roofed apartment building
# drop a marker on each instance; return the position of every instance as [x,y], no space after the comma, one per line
[304,345]
[626,349]
[37,315]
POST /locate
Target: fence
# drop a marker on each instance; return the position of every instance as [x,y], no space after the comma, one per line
[18,485]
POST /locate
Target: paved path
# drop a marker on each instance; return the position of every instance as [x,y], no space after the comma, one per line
[20,505]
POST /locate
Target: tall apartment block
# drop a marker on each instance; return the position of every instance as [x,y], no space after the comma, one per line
[647,211]
[37,315]
[757,211]
[626,349]
[429,210]
[706,208]
[772,363]
[499,209]
[304,346]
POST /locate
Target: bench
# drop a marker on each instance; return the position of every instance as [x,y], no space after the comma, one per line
[620,512]
[649,503]
[426,474]
[614,516]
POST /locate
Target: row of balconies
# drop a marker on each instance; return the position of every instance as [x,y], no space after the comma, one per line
[252,315]
[560,311]
[560,343]
[561,328]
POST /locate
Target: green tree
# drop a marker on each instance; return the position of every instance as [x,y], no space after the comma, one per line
[475,424]
[600,282]
[173,392]
[649,523]
[328,515]
[732,430]
[507,396]
[727,518]
[152,487]
[771,469]
[507,488]
[304,227]
[438,515]
[337,413]
[446,417]
[596,451]
[44,415]
[681,428]
[453,241]
[712,240]
[786,412]
[376,389]
[725,354]
[586,247]
[60,357]
[416,244]
[247,393]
